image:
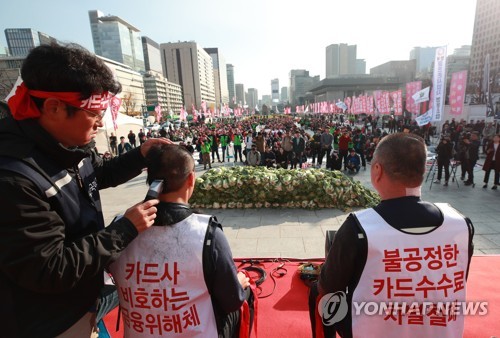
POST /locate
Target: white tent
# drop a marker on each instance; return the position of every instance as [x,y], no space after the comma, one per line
[124,123]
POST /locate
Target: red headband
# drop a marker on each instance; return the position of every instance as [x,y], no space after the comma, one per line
[22,106]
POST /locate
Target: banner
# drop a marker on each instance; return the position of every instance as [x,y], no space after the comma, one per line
[115,104]
[486,87]
[383,103]
[411,89]
[457,92]
[439,84]
[423,119]
[369,102]
[158,112]
[397,99]
[421,95]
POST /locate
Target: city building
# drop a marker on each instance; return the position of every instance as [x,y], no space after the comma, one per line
[300,83]
[21,41]
[190,66]
[3,50]
[338,88]
[160,91]
[424,57]
[360,66]
[220,76]
[404,70]
[284,94]
[341,60]
[252,98]
[152,57]
[458,61]
[486,40]
[275,90]
[240,94]
[132,94]
[117,40]
[230,83]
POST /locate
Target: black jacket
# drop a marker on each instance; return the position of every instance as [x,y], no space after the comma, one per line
[53,244]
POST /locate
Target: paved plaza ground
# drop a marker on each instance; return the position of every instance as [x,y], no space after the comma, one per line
[297,233]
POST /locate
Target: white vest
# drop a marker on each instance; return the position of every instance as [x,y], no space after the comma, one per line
[419,269]
[160,282]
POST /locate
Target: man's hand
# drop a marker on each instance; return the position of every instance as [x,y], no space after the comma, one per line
[244,280]
[152,141]
[142,215]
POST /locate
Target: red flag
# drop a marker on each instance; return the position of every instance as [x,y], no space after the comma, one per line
[411,89]
[158,113]
[397,99]
[115,103]
[457,92]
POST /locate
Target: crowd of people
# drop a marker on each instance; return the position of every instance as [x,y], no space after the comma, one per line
[55,248]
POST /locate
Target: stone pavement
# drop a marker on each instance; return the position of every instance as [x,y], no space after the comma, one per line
[297,233]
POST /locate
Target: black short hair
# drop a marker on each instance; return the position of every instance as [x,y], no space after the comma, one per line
[70,68]
[171,163]
[403,158]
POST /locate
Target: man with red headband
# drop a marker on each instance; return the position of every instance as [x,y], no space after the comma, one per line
[54,245]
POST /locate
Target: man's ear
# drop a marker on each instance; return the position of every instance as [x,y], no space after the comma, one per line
[191,179]
[53,109]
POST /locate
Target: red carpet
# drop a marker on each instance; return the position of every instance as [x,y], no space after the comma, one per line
[285,312]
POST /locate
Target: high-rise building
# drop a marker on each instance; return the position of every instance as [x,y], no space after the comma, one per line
[220,76]
[21,41]
[132,94]
[486,40]
[458,61]
[300,83]
[116,39]
[240,94]
[275,90]
[252,98]
[3,50]
[341,60]
[360,66]
[284,94]
[230,83]
[404,70]
[188,65]
[424,57]
[160,91]
[152,58]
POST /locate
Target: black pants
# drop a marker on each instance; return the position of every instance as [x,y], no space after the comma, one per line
[343,155]
[237,151]
[223,153]
[322,154]
[315,152]
[228,325]
[361,153]
[215,151]
[487,174]
[446,165]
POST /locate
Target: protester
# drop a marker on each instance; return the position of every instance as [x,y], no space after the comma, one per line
[253,157]
[192,254]
[492,162]
[444,152]
[353,161]
[123,147]
[404,242]
[54,246]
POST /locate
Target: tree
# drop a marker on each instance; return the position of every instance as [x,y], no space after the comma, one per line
[8,78]
[128,104]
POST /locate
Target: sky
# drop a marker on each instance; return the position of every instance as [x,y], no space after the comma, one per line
[264,39]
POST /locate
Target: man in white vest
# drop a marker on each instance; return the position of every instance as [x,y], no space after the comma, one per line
[407,258]
[179,278]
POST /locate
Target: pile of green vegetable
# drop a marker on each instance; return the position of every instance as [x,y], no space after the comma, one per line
[257,187]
